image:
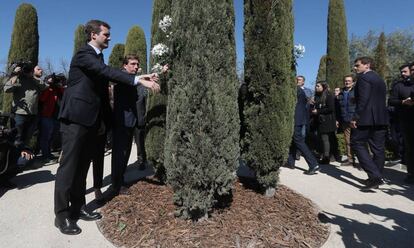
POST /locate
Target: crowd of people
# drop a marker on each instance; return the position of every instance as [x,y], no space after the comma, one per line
[88,111]
[367,117]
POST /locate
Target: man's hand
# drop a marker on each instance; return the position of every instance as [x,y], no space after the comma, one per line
[353,124]
[408,102]
[26,155]
[314,111]
[17,70]
[150,84]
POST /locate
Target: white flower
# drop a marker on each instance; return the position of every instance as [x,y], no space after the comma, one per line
[159,50]
[157,68]
[299,50]
[165,23]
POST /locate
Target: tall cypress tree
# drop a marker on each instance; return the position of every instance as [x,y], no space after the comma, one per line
[269,106]
[201,148]
[80,38]
[322,69]
[337,59]
[117,55]
[24,42]
[157,103]
[380,58]
[136,44]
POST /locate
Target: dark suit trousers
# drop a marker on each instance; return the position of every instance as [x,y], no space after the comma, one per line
[374,136]
[408,134]
[98,161]
[298,143]
[140,141]
[121,150]
[70,184]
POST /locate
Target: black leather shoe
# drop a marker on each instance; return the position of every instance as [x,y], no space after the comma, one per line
[372,184]
[67,226]
[85,215]
[313,170]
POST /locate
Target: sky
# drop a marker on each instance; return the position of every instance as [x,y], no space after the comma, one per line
[59,19]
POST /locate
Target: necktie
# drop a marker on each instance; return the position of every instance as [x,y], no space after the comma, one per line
[101,57]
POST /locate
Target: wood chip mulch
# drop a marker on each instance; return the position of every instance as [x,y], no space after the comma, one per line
[145,218]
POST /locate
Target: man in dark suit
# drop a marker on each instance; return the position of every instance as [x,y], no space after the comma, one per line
[84,114]
[125,121]
[369,123]
[298,140]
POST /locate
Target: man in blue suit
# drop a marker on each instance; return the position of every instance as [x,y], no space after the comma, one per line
[125,121]
[369,123]
[298,140]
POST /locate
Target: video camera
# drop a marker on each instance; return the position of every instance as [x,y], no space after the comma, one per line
[26,65]
[57,79]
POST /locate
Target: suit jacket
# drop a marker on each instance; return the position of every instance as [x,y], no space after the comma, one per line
[86,97]
[125,108]
[301,109]
[370,95]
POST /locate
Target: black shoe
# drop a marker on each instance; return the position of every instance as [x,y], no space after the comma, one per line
[84,215]
[372,184]
[324,160]
[312,171]
[289,166]
[123,191]
[67,226]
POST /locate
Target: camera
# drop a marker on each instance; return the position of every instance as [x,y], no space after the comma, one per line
[56,79]
[4,131]
[25,65]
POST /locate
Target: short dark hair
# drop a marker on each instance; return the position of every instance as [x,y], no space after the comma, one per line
[300,76]
[94,26]
[349,75]
[129,57]
[404,65]
[365,61]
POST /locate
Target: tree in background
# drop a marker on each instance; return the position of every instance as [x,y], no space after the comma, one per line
[270,100]
[337,57]
[136,44]
[322,69]
[399,49]
[157,103]
[80,38]
[24,43]
[380,58]
[202,144]
[117,55]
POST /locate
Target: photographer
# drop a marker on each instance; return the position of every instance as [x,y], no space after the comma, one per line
[49,109]
[25,89]
[12,159]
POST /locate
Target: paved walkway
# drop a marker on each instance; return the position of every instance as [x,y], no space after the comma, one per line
[382,219]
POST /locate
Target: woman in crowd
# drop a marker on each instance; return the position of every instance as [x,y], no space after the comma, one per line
[324,116]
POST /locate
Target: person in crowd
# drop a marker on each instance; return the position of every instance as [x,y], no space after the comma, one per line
[300,82]
[140,127]
[370,121]
[347,105]
[49,101]
[324,113]
[395,136]
[26,88]
[402,98]
[84,114]
[13,159]
[337,91]
[301,119]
